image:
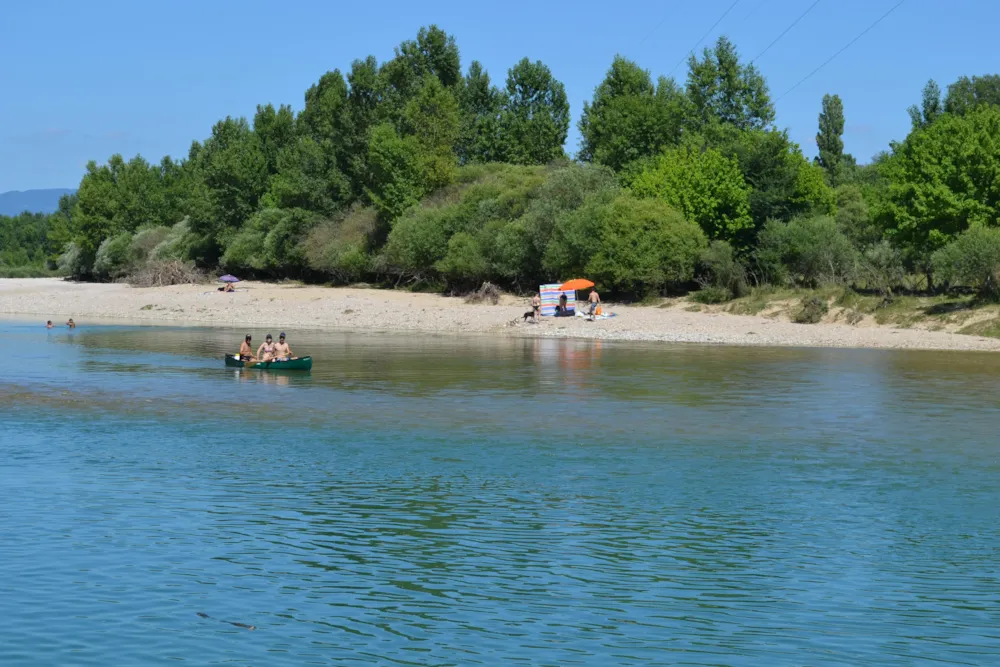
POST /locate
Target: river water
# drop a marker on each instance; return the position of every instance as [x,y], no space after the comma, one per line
[480,501]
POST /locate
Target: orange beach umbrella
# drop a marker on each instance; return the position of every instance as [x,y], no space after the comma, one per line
[576,284]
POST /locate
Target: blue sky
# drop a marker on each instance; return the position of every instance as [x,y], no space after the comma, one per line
[85,80]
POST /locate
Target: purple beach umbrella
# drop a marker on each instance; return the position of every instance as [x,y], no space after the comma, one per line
[229,279]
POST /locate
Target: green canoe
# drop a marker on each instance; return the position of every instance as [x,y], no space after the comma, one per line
[300,364]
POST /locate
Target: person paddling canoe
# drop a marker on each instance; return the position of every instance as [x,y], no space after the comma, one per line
[267,349]
[281,351]
[246,352]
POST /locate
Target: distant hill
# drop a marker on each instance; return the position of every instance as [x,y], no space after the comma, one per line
[34,201]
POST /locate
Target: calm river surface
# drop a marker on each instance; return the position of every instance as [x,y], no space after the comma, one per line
[475,501]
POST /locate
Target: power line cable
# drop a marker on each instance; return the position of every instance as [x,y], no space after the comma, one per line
[707,33]
[755,9]
[785,31]
[650,33]
[847,46]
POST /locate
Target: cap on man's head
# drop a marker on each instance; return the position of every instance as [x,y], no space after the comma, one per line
[281,335]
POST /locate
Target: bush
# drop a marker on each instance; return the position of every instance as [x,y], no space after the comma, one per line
[712,295]
[464,263]
[270,242]
[339,248]
[72,262]
[722,270]
[114,259]
[145,241]
[806,251]
[882,268]
[972,259]
[811,310]
[180,244]
[630,245]
[487,213]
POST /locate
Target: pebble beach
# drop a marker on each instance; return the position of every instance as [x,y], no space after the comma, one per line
[293,306]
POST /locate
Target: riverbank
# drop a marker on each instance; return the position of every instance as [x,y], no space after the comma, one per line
[290,305]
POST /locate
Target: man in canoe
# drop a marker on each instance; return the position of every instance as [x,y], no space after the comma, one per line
[281,351]
[266,352]
[246,352]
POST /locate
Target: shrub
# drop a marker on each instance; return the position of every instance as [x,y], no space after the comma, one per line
[972,259]
[114,259]
[882,268]
[270,242]
[711,295]
[339,248]
[180,244]
[72,263]
[806,251]
[722,270]
[145,241]
[626,244]
[464,263]
[811,310]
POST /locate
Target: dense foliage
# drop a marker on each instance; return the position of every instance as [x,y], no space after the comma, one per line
[419,171]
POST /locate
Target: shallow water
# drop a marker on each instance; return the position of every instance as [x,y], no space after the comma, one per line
[474,501]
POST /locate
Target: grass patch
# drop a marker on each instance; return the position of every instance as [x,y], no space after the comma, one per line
[712,295]
[986,328]
[693,308]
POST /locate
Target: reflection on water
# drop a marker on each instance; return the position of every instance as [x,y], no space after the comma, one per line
[462,501]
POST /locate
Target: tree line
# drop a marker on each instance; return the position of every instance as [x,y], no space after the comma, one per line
[416,171]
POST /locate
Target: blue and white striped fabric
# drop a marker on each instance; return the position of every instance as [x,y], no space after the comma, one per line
[550,298]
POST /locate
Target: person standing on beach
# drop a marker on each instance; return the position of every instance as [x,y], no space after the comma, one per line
[536,307]
[594,299]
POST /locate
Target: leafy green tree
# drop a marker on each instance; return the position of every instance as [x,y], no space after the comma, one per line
[829,139]
[930,106]
[432,117]
[396,172]
[630,118]
[235,172]
[723,91]
[479,105]
[944,179]
[433,53]
[534,120]
[307,178]
[275,130]
[967,94]
[783,183]
[705,186]
[114,198]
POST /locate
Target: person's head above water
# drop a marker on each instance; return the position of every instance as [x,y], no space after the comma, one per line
[49,324]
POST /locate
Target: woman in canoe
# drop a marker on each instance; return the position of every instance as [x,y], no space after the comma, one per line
[267,350]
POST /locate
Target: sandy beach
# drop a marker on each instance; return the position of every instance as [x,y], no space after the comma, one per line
[291,305]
